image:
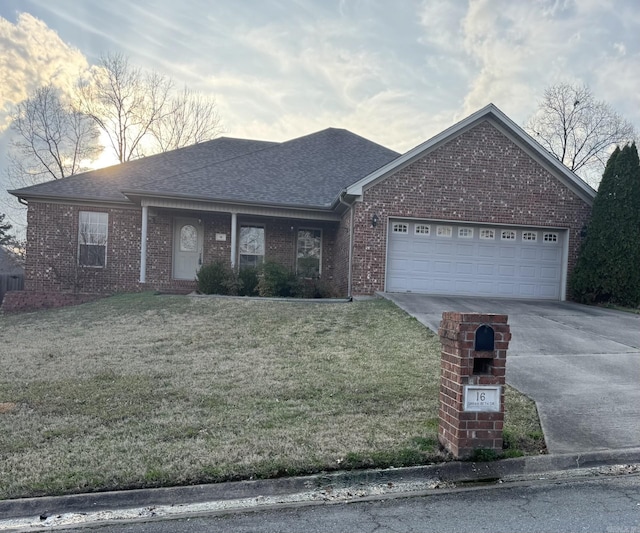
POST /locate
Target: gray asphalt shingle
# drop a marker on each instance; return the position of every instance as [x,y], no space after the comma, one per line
[309,171]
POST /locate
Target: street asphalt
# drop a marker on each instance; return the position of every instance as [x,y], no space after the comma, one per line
[580,364]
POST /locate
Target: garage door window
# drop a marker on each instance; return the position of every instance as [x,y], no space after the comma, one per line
[550,237]
[508,235]
[465,233]
[422,229]
[400,228]
[487,234]
[444,231]
[529,236]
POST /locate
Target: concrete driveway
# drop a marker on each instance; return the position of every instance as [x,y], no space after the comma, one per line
[580,364]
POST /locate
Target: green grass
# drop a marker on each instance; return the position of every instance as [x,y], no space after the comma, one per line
[144,391]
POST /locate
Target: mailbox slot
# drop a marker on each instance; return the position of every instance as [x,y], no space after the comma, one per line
[484,339]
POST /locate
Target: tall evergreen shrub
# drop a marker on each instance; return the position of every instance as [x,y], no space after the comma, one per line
[608,267]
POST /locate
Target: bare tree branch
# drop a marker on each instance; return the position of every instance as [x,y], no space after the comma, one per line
[124,102]
[50,140]
[577,129]
[191,118]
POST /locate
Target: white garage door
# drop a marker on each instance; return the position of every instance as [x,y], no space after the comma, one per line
[440,258]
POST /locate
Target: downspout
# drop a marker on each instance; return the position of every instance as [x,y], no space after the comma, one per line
[143,245]
[350,274]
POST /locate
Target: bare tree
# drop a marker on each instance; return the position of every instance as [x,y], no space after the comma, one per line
[140,112]
[5,227]
[50,139]
[190,118]
[577,129]
[125,103]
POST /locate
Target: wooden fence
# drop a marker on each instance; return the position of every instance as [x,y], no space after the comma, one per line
[10,282]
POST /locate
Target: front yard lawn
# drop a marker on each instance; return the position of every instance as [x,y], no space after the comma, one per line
[145,390]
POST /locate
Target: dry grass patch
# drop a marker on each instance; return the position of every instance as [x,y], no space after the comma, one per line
[144,390]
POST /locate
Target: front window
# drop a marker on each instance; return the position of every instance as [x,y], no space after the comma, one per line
[92,238]
[251,246]
[308,253]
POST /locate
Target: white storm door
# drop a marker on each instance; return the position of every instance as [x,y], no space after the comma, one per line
[188,238]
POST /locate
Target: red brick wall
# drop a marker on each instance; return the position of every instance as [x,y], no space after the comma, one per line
[217,250]
[479,176]
[52,242]
[280,241]
[52,248]
[341,254]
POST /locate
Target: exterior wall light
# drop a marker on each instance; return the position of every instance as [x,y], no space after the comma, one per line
[374,220]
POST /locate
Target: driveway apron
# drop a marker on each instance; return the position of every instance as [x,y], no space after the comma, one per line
[580,364]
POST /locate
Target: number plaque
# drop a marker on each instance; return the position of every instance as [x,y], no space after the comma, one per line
[482,398]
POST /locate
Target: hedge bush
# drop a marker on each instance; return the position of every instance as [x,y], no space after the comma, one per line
[271,279]
[276,280]
[217,278]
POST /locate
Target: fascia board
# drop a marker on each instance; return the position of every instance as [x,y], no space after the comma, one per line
[146,194]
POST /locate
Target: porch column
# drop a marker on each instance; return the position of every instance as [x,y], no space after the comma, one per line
[143,245]
[234,237]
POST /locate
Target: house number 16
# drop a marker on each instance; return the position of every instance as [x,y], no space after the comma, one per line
[482,398]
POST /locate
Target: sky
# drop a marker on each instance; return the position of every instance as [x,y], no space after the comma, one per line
[396,72]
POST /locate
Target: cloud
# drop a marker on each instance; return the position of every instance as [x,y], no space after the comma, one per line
[520,48]
[32,55]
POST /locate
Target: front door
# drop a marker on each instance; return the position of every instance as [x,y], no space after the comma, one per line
[187,248]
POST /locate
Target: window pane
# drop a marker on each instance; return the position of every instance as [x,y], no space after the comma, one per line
[309,252]
[188,238]
[92,255]
[92,238]
[251,246]
[251,240]
[253,261]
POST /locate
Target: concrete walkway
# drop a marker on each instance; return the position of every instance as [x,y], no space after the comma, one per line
[580,364]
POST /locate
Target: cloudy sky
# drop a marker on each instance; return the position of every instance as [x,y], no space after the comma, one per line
[396,72]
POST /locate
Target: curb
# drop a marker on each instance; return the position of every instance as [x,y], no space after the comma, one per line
[445,472]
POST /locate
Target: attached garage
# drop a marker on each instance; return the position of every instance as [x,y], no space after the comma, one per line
[435,257]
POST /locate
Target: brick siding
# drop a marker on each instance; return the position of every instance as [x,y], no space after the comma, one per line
[52,248]
[479,176]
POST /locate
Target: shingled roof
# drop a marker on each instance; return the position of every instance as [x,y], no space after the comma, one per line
[308,171]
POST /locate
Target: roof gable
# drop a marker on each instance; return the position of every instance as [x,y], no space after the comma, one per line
[504,124]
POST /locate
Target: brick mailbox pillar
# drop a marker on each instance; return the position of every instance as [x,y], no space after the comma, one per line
[474,353]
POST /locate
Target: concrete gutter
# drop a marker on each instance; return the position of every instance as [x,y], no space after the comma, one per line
[320,488]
